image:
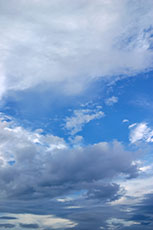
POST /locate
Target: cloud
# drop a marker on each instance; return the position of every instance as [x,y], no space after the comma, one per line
[32,169]
[7,226]
[115,223]
[7,218]
[108,192]
[75,123]
[125,121]
[81,187]
[31,221]
[111,100]
[140,132]
[76,140]
[68,45]
[142,213]
[29,226]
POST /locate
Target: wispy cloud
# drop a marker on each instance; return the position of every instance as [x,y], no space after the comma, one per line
[111,100]
[140,132]
[75,123]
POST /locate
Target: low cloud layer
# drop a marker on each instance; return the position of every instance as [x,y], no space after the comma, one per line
[83,187]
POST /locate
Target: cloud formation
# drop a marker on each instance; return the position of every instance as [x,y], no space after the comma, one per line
[140,132]
[69,44]
[80,117]
[111,100]
[35,166]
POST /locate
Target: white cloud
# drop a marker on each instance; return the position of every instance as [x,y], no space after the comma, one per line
[68,44]
[140,132]
[125,121]
[138,187]
[76,140]
[42,221]
[115,223]
[111,100]
[81,117]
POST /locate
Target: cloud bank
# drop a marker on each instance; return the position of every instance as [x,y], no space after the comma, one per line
[68,44]
[36,166]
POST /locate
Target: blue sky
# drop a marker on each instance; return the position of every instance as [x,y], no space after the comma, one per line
[76,124]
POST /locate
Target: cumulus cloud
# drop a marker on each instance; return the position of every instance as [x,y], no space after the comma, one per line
[31,168]
[80,117]
[111,100]
[140,132]
[69,44]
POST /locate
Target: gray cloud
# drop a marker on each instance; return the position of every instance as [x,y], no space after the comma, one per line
[108,192]
[7,218]
[75,183]
[75,123]
[44,166]
[29,226]
[7,225]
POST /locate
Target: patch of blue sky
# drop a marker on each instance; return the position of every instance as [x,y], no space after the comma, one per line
[130,106]
[11,162]
[35,109]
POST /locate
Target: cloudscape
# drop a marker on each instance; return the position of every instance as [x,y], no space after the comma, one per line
[76,114]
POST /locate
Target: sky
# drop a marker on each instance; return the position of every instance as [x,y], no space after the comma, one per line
[76,114]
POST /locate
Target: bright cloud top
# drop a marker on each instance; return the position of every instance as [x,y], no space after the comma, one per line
[69,43]
[140,132]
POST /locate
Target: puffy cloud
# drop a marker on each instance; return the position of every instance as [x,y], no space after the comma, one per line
[111,100]
[34,165]
[74,186]
[140,132]
[81,117]
[108,192]
[69,44]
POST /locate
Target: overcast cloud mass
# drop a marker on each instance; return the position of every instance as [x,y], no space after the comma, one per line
[76,124]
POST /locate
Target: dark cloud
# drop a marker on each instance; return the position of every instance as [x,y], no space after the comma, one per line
[7,218]
[42,170]
[143,211]
[29,225]
[106,192]
[7,225]
[46,170]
